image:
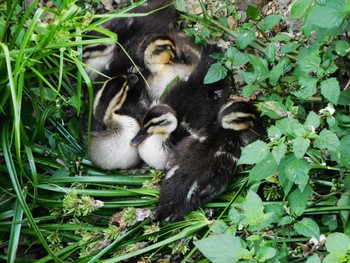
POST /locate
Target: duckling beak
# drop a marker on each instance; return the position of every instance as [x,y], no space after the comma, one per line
[140,137]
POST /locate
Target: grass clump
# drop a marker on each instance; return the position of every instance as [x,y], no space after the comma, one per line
[291,202]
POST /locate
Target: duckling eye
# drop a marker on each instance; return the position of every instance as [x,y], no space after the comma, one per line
[162,48]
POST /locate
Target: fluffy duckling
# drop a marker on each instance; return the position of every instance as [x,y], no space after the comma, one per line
[202,165]
[112,129]
[190,104]
[131,30]
[153,139]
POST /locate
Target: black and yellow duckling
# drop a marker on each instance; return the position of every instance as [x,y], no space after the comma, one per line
[131,31]
[153,139]
[202,165]
[114,124]
[190,105]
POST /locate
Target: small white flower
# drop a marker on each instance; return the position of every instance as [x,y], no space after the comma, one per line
[330,109]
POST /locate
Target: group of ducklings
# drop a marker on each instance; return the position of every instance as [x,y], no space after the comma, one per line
[156,108]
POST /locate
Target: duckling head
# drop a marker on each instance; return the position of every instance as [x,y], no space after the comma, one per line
[237,115]
[159,52]
[111,97]
[160,121]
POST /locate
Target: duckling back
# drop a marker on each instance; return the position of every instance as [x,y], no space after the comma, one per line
[202,165]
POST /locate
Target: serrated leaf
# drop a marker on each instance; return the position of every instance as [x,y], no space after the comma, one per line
[330,221]
[260,66]
[249,77]
[270,52]
[273,109]
[309,63]
[244,38]
[220,248]
[234,215]
[313,259]
[288,126]
[313,121]
[327,140]
[269,22]
[300,7]
[280,69]
[253,12]
[328,16]
[247,90]
[300,146]
[330,89]
[267,167]
[274,132]
[289,47]
[281,38]
[298,200]
[344,98]
[307,87]
[215,73]
[240,59]
[265,253]
[307,227]
[254,153]
[342,47]
[278,152]
[338,242]
[218,227]
[297,171]
[344,151]
[335,256]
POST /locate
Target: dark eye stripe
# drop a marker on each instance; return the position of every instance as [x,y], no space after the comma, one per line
[163,48]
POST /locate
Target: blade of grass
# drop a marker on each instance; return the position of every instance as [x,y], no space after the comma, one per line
[15,232]
[17,188]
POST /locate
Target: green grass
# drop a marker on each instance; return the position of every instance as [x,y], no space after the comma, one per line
[50,193]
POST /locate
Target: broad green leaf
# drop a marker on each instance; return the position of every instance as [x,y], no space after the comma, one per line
[254,153]
[260,66]
[298,200]
[327,140]
[312,121]
[307,227]
[344,98]
[313,259]
[267,167]
[265,253]
[338,242]
[297,171]
[253,12]
[344,151]
[328,16]
[270,52]
[215,73]
[220,248]
[300,146]
[330,221]
[342,47]
[278,152]
[289,47]
[330,89]
[344,200]
[218,227]
[307,87]
[279,70]
[240,59]
[274,133]
[273,109]
[247,90]
[300,7]
[335,257]
[234,215]
[269,22]
[281,38]
[249,77]
[309,63]
[282,176]
[288,126]
[245,37]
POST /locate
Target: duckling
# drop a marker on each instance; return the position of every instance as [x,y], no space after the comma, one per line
[201,165]
[131,30]
[112,129]
[153,139]
[190,104]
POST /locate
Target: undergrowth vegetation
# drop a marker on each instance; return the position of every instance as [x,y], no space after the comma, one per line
[290,202]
